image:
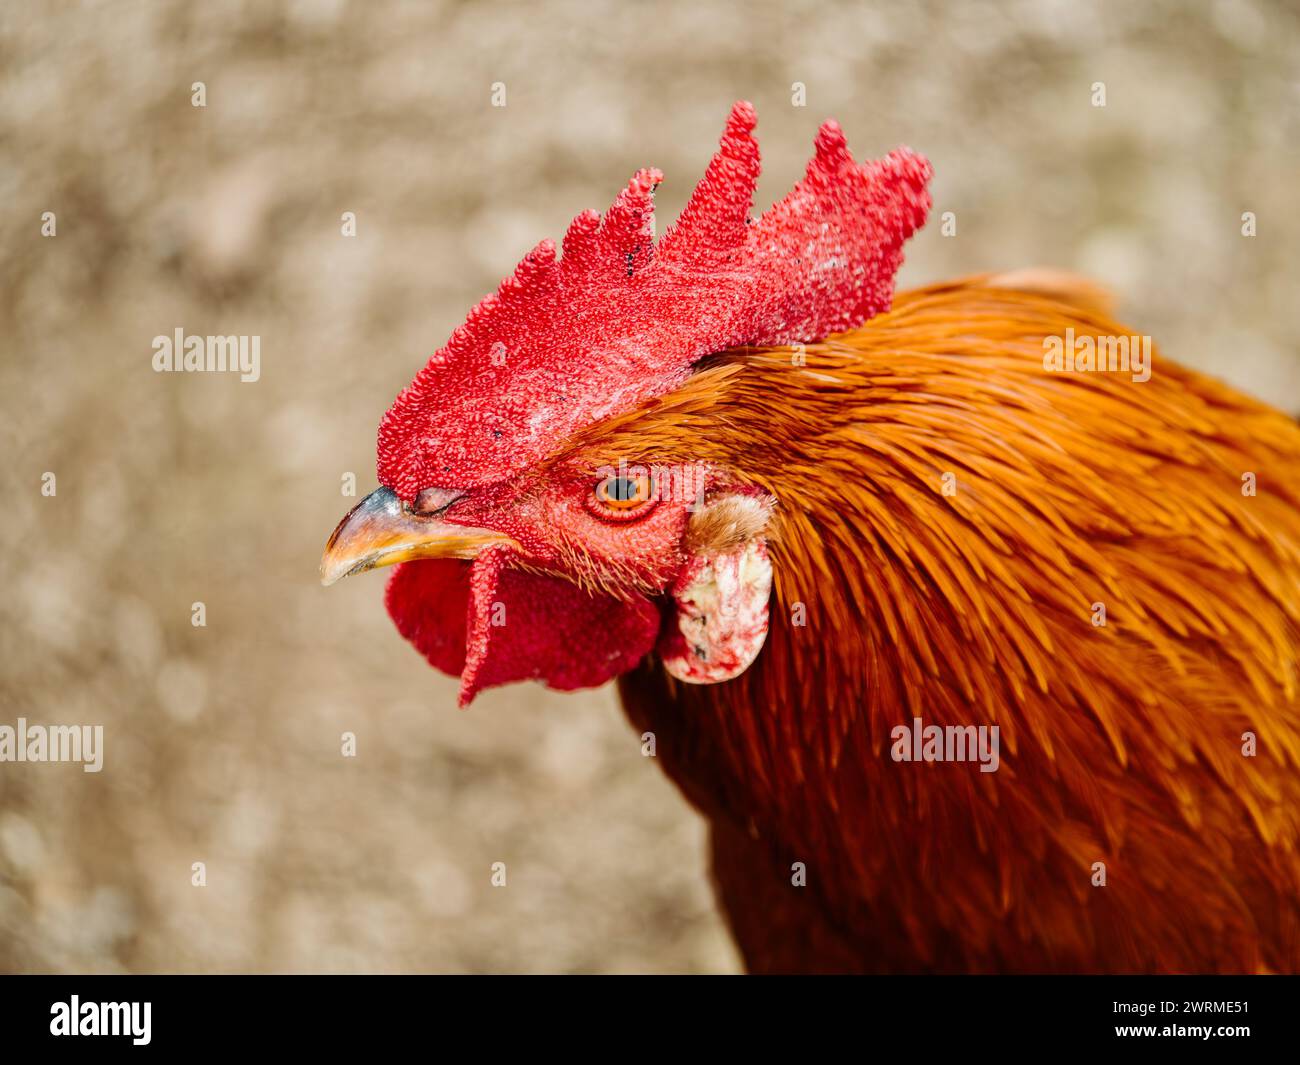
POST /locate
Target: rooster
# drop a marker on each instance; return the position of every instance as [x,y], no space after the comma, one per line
[797,516]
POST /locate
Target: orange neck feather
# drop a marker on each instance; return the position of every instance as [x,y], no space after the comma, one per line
[1120,743]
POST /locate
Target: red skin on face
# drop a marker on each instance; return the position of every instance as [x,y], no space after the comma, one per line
[492,624]
[549,515]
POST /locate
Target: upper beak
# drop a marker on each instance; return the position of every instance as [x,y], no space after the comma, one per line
[382,531]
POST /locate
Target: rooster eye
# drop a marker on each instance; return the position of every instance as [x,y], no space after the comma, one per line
[623,496]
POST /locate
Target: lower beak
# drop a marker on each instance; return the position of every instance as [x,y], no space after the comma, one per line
[382,531]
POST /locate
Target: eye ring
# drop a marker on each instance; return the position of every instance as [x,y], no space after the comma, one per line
[623,496]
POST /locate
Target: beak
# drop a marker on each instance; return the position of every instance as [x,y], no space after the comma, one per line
[381,531]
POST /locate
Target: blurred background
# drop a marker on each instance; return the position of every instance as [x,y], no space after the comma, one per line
[222,743]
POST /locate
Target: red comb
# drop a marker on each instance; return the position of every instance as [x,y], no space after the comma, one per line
[565,343]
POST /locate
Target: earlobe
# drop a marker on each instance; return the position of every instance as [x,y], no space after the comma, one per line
[720,597]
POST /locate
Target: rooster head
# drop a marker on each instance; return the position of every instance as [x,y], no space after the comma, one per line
[523,551]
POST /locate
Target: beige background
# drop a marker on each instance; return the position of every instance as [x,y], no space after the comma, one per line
[223,742]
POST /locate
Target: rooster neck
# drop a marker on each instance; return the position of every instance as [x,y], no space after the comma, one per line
[1075,499]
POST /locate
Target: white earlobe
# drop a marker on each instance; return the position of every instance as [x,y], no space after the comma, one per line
[721,614]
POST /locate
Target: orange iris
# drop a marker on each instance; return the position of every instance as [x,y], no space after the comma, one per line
[623,496]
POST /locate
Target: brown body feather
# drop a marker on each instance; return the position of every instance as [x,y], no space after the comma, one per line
[1121,744]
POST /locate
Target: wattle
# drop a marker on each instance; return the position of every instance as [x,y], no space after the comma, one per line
[491,624]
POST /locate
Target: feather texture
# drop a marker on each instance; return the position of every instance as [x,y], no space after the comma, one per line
[1122,744]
